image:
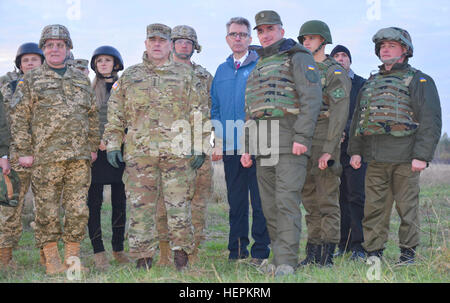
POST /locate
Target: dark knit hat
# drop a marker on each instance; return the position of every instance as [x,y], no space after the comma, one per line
[340,48]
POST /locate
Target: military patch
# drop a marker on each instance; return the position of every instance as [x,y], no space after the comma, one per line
[338,72]
[310,67]
[338,93]
[115,85]
[312,76]
[423,80]
[20,82]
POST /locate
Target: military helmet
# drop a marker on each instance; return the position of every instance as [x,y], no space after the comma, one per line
[9,188]
[315,27]
[110,51]
[55,31]
[28,48]
[186,32]
[393,34]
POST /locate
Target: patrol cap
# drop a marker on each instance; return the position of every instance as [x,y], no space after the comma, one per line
[80,63]
[267,17]
[160,30]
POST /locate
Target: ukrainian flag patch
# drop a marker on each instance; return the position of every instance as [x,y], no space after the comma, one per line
[337,72]
[423,80]
[20,82]
[310,67]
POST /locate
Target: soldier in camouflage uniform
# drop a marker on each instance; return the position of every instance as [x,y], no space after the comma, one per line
[185,42]
[147,99]
[55,130]
[283,89]
[321,189]
[396,127]
[82,65]
[8,77]
[29,56]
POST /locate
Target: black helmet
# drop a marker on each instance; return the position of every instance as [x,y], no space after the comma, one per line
[110,51]
[28,48]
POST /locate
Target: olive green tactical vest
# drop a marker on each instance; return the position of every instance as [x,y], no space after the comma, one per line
[385,105]
[271,90]
[323,70]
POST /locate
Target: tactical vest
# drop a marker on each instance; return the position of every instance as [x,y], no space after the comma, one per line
[385,105]
[323,71]
[271,89]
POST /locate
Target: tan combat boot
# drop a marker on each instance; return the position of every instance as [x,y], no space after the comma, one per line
[164,253]
[6,260]
[101,261]
[120,257]
[53,263]
[72,249]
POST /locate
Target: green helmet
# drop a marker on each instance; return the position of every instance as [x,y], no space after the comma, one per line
[393,34]
[315,27]
[186,32]
[55,31]
[9,188]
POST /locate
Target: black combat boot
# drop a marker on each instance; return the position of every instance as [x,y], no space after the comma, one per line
[180,258]
[327,254]
[313,253]
[407,256]
[376,253]
[144,263]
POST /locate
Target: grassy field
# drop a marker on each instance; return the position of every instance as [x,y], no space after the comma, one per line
[433,255]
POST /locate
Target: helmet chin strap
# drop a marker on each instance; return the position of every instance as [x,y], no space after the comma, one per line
[393,60]
[183,56]
[318,49]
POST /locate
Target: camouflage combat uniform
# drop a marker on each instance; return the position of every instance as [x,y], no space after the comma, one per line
[202,86]
[55,120]
[147,99]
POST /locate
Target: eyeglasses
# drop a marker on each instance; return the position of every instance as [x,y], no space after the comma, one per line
[184,41]
[58,45]
[235,35]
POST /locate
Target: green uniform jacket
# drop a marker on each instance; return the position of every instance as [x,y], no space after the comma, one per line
[295,128]
[336,86]
[4,130]
[421,145]
[54,118]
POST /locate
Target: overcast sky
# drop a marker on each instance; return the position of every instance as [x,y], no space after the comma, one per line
[122,24]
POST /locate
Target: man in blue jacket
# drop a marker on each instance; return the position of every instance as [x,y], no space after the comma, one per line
[228,115]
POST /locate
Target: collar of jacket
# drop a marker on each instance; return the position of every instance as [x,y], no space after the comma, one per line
[282,46]
[47,70]
[395,67]
[150,65]
[252,57]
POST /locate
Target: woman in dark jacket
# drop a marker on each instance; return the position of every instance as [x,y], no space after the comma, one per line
[106,62]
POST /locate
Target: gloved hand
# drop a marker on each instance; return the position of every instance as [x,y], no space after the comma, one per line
[197,161]
[112,157]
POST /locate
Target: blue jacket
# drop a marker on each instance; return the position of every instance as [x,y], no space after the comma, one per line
[228,100]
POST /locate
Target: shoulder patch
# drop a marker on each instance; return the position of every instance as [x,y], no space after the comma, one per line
[310,67]
[423,80]
[312,76]
[115,85]
[20,82]
[338,93]
[338,72]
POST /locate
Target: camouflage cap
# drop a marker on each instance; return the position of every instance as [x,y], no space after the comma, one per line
[160,30]
[80,63]
[55,31]
[267,17]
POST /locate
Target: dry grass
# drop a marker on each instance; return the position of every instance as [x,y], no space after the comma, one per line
[436,175]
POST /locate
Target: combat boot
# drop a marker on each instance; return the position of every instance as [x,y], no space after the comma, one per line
[407,256]
[6,260]
[327,254]
[101,261]
[120,257]
[144,263]
[313,254]
[164,253]
[72,249]
[376,253]
[180,259]
[53,263]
